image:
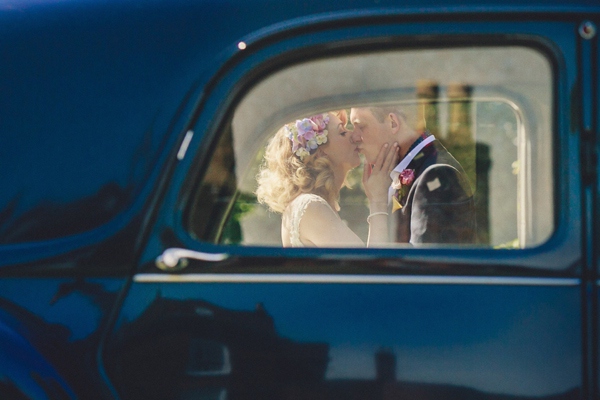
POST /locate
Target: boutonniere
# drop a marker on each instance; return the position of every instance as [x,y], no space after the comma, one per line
[401,185]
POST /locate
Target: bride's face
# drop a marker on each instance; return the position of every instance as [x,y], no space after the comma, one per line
[339,148]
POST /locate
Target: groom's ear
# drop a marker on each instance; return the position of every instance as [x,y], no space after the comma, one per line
[396,122]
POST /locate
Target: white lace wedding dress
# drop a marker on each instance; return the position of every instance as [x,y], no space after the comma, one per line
[296,210]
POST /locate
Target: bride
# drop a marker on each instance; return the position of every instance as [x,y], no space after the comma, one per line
[305,167]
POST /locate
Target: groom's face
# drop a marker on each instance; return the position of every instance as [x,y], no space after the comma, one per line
[369,134]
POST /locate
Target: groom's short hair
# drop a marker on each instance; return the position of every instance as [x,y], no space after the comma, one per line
[381,112]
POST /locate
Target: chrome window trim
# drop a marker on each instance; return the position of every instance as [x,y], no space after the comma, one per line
[354,279]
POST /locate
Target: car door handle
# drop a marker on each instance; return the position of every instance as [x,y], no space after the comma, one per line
[175,259]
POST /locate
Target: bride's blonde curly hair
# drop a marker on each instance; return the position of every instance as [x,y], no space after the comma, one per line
[283,176]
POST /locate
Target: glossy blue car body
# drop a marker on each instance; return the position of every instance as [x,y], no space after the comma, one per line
[97,97]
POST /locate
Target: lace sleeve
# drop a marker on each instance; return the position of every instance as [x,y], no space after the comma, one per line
[298,207]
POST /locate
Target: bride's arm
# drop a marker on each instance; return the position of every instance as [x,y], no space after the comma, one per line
[376,181]
[321,227]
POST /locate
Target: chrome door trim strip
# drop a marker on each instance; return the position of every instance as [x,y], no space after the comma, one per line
[185,144]
[369,279]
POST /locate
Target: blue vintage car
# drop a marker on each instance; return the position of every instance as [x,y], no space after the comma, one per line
[137,262]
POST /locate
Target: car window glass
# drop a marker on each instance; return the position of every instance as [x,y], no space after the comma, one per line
[489,107]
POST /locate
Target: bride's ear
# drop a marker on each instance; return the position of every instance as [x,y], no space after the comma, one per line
[321,152]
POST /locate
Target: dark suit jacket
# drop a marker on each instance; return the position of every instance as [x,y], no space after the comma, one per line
[439,207]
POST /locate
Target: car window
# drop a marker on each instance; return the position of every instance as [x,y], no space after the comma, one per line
[490,108]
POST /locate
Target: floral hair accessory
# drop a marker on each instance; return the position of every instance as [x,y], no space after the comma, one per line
[307,134]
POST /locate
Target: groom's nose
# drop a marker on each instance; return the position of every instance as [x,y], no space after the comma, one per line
[356,137]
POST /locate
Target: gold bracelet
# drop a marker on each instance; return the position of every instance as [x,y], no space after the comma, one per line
[374,214]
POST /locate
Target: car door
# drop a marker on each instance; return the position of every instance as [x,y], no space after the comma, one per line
[218,309]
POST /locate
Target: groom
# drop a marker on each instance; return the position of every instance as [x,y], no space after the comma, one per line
[430,200]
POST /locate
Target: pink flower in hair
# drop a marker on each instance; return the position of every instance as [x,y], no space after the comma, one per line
[320,122]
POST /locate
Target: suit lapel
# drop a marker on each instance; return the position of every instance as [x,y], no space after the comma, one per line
[400,221]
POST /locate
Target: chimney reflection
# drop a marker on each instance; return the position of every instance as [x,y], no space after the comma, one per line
[385,365]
